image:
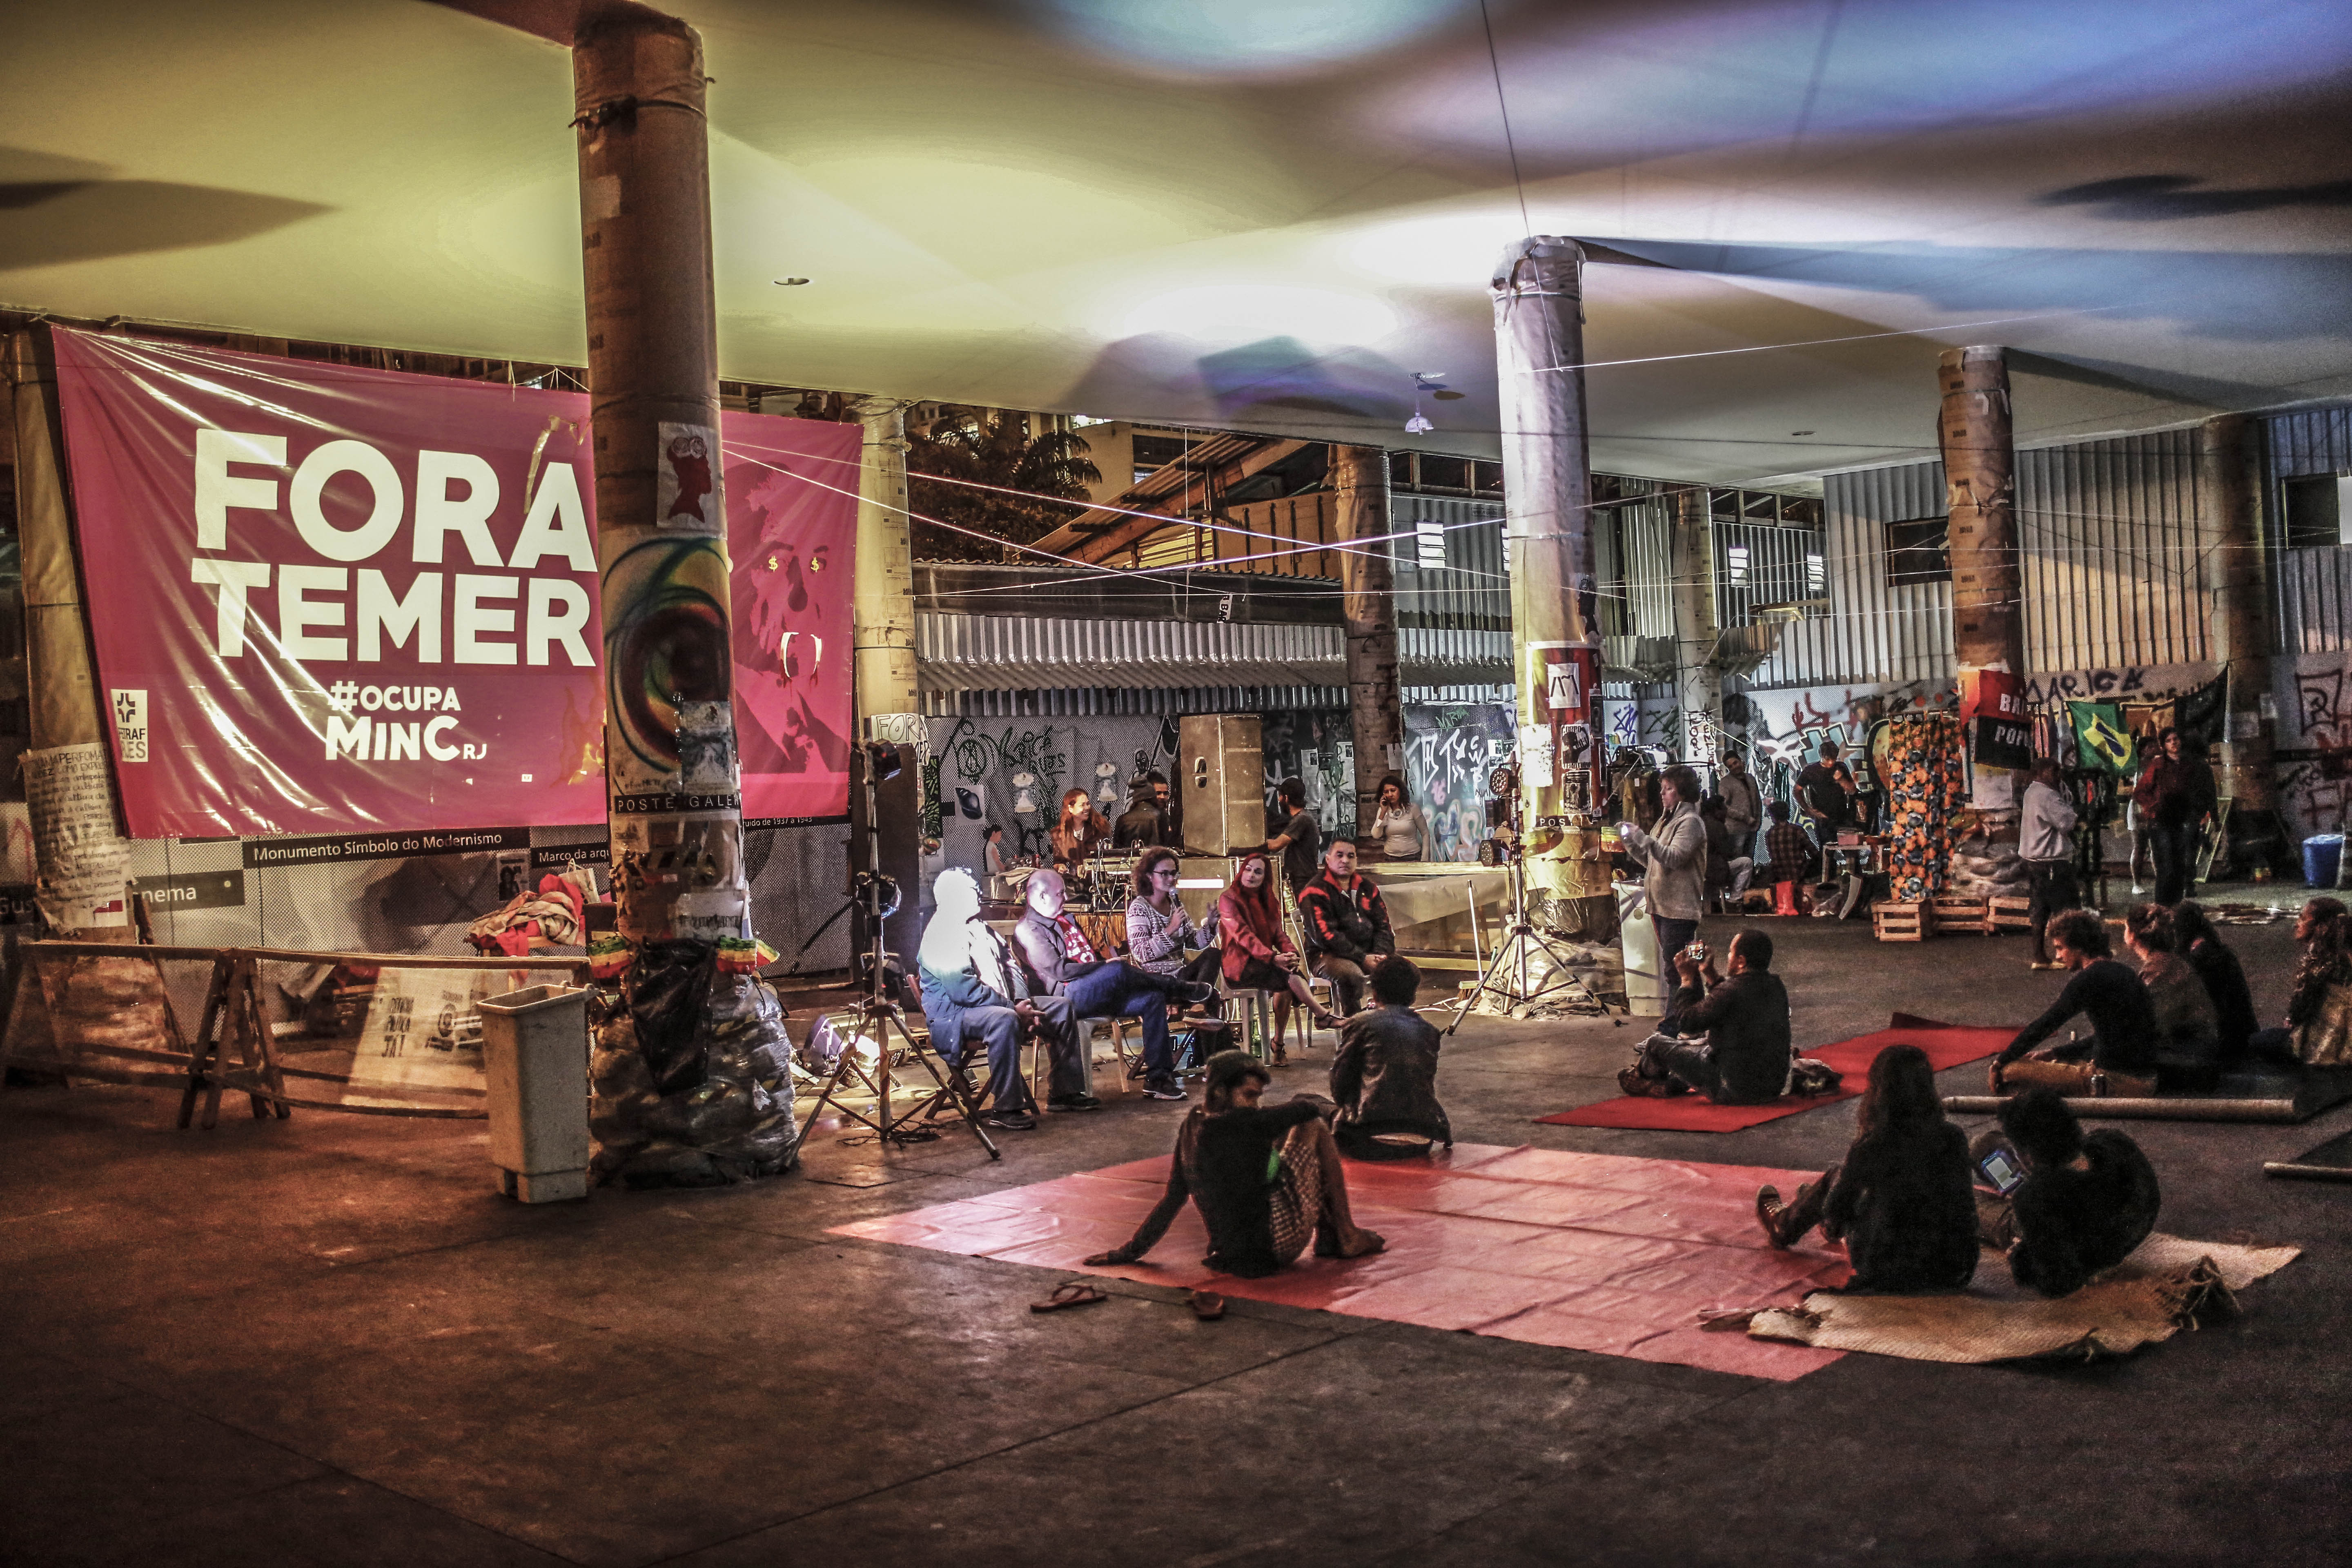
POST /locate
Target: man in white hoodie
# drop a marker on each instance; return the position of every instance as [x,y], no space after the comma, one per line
[1675,855]
[2046,841]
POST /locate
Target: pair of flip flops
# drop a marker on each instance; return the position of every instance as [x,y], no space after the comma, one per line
[1207,1305]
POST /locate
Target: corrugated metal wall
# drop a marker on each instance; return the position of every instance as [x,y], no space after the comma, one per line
[1470,591]
[2315,586]
[2114,566]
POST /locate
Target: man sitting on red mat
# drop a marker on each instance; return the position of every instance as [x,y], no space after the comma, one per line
[1744,1057]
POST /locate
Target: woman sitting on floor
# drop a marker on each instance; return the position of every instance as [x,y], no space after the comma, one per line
[1902,1199]
[1259,955]
[2318,1031]
[2224,978]
[2185,1032]
[1266,1180]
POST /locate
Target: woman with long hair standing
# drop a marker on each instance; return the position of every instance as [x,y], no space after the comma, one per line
[1258,954]
[1903,1200]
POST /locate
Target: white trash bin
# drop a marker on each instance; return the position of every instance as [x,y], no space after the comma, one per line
[535,1056]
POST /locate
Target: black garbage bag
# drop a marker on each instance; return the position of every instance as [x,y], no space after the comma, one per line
[667,988]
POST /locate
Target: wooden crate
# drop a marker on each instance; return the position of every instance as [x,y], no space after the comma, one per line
[2012,914]
[1892,921]
[1958,913]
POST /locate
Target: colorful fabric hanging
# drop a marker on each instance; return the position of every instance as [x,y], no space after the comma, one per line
[1927,787]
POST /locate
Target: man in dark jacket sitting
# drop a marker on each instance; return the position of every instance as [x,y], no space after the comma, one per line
[2086,1203]
[1347,934]
[1744,1060]
[1062,962]
[1384,1074]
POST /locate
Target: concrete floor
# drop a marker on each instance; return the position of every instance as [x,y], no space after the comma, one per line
[326,1340]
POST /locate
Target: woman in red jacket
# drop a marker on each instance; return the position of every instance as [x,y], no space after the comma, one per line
[1258,954]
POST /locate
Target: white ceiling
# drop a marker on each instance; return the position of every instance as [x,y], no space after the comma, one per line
[1265,213]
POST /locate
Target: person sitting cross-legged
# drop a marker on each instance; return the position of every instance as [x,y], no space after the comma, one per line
[2123,1048]
[975,994]
[1266,1179]
[1064,963]
[1347,921]
[1744,1057]
[2086,1201]
[1902,1200]
[1384,1073]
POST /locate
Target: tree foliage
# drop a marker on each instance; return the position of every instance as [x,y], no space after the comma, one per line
[987,447]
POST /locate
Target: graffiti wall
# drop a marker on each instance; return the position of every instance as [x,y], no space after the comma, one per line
[2313,741]
[1012,773]
[1449,749]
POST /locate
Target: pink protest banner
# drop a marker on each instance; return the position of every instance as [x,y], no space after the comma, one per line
[328,598]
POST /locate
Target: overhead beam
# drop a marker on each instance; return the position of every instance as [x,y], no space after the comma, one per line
[1119,529]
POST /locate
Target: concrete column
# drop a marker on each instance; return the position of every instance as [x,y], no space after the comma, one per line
[2241,627]
[1981,486]
[884,572]
[1368,606]
[1538,298]
[671,774]
[1698,681]
[60,678]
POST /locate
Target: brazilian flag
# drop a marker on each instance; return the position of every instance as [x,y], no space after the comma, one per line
[2100,736]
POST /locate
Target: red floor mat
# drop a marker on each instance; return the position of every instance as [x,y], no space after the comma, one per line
[1593,1252]
[1946,1045]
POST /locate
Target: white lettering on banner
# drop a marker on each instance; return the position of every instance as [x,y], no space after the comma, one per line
[380,614]
[558,612]
[232,578]
[472,619]
[347,736]
[297,614]
[306,499]
[437,514]
[557,524]
[366,739]
[217,489]
[433,734]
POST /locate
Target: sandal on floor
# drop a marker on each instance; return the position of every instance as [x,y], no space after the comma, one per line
[1077,1293]
[1207,1305]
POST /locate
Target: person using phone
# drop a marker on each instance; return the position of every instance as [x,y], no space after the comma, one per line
[1744,1016]
[1901,1199]
[2085,1201]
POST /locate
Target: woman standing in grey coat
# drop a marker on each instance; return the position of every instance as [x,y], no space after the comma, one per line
[1675,855]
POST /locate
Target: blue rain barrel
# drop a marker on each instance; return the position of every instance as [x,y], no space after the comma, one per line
[2321,853]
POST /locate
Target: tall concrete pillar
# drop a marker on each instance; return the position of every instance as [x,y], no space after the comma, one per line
[883,598]
[2240,627]
[1980,487]
[1698,680]
[80,855]
[673,791]
[1538,297]
[1368,606]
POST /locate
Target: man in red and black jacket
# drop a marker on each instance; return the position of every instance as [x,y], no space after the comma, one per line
[1346,924]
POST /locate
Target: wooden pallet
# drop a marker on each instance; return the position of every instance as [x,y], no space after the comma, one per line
[2012,914]
[1958,912]
[1892,921]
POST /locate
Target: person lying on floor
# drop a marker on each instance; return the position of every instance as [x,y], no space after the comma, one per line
[1901,1200]
[2085,1203]
[975,994]
[2121,1053]
[1744,1057]
[1266,1179]
[2318,1029]
[2186,1031]
[1384,1072]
